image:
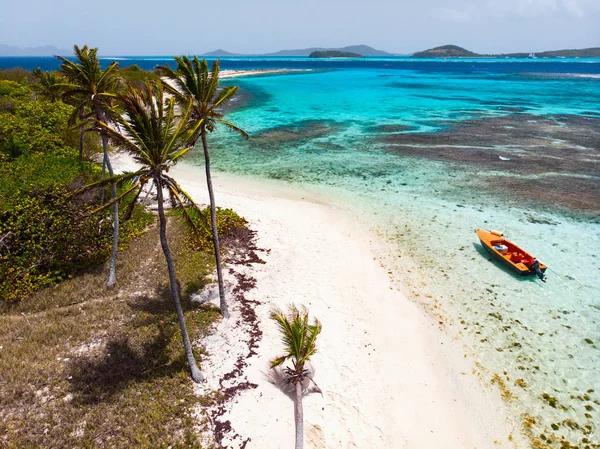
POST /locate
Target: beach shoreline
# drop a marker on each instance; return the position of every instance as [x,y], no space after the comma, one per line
[257,72]
[390,378]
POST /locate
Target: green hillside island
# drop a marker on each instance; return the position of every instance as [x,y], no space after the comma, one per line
[454,51]
[334,54]
[446,51]
[362,49]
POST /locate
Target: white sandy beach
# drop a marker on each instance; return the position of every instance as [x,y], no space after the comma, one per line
[390,378]
[244,73]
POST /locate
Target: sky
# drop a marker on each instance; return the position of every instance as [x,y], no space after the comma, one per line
[158,27]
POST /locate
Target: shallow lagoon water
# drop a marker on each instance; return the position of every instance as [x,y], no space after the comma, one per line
[329,131]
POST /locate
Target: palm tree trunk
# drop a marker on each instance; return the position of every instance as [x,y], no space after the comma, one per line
[103,172]
[215,233]
[299,417]
[81,132]
[197,375]
[112,265]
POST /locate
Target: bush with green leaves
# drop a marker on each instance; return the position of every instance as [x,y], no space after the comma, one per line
[136,76]
[16,74]
[41,171]
[29,125]
[228,222]
[47,237]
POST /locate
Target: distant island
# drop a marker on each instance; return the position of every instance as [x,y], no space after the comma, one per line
[454,51]
[363,50]
[46,50]
[334,54]
[220,52]
[445,51]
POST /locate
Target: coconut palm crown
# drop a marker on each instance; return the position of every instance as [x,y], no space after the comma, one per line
[149,128]
[299,338]
[87,87]
[192,80]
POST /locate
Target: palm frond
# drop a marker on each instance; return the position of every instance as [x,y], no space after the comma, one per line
[117,179]
[279,360]
[129,212]
[225,94]
[185,212]
[232,127]
[298,336]
[115,200]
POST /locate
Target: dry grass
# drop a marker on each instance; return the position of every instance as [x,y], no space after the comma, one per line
[83,366]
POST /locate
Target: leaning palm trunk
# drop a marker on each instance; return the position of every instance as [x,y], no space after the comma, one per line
[215,232]
[299,417]
[81,132]
[112,265]
[195,372]
[103,175]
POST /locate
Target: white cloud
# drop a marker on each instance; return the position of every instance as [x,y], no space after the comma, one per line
[574,7]
[539,8]
[454,15]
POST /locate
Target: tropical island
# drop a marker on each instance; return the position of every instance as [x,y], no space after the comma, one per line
[136,311]
[454,51]
[122,284]
[334,54]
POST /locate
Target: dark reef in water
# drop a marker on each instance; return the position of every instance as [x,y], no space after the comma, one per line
[382,129]
[299,132]
[552,160]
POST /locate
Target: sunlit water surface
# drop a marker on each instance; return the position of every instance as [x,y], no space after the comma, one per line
[539,342]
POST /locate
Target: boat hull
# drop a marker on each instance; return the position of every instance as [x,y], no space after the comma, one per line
[514,257]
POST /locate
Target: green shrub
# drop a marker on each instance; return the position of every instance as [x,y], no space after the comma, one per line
[38,126]
[46,237]
[228,222]
[13,89]
[41,171]
[135,76]
[16,74]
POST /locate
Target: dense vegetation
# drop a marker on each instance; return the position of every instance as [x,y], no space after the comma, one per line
[334,54]
[45,236]
[84,365]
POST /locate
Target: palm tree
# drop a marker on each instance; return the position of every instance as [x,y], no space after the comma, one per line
[192,81]
[299,339]
[149,129]
[46,84]
[92,91]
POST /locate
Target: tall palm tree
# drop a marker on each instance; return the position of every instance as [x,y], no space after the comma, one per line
[192,81]
[299,338]
[92,91]
[150,130]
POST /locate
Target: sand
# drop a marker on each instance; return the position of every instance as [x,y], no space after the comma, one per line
[243,73]
[389,377]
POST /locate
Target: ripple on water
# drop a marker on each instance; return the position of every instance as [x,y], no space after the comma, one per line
[425,189]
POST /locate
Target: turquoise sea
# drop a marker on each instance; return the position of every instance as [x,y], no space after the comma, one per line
[424,152]
[416,154]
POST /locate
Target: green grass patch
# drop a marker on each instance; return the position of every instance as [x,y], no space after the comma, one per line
[86,366]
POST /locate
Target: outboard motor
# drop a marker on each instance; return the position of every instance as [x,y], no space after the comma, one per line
[535,266]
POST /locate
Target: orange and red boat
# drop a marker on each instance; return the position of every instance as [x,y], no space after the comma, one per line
[510,255]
